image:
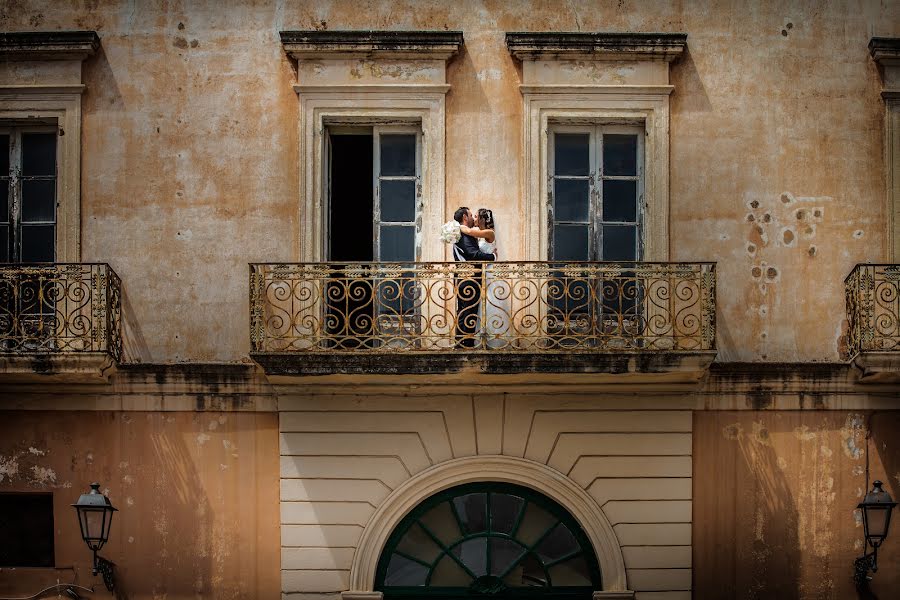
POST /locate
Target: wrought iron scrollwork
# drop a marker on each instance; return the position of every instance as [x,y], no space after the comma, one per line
[505,306]
[872,296]
[60,308]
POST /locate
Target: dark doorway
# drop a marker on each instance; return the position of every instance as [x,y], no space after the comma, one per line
[351,203]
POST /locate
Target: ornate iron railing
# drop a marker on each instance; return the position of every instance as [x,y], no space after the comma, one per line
[872,295]
[61,307]
[503,306]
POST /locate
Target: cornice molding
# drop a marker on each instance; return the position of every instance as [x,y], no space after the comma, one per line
[596,45]
[376,44]
[884,50]
[48,45]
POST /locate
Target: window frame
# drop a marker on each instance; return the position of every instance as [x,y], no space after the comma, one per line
[15,130]
[552,507]
[377,178]
[595,222]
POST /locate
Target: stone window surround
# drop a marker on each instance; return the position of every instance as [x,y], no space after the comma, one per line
[40,80]
[886,53]
[410,89]
[596,92]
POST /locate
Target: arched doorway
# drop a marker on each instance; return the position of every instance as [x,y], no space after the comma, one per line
[488,539]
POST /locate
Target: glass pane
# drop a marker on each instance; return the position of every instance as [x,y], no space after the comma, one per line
[503,554]
[397,243]
[398,201]
[4,201]
[472,511]
[571,199]
[570,572]
[4,243]
[571,153]
[877,519]
[473,554]
[619,154]
[93,523]
[402,571]
[441,522]
[619,200]
[570,242]
[504,512]
[559,543]
[448,573]
[398,154]
[535,523]
[528,573]
[38,154]
[619,242]
[418,544]
[39,201]
[38,243]
[4,155]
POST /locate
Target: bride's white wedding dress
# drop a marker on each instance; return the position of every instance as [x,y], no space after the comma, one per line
[496,304]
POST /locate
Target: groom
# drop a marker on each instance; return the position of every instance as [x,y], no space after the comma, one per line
[468,290]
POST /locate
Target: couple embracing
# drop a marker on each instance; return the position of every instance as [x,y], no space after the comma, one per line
[478,243]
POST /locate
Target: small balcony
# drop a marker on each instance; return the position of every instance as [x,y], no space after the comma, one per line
[59,321]
[316,319]
[873,316]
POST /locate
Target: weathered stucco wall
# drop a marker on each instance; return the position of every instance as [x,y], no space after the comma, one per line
[196,494]
[190,150]
[775,495]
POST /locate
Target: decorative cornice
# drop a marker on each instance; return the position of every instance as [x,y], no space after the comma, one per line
[48,45]
[596,45]
[885,49]
[381,44]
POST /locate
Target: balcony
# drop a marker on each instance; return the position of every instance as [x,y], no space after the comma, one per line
[59,321]
[603,319]
[873,315]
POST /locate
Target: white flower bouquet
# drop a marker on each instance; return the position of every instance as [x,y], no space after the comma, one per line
[450,233]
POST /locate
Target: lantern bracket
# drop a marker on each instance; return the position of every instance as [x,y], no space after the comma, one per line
[864,564]
[107,569]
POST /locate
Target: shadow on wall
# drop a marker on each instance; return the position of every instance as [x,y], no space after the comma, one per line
[775,497]
[192,491]
[884,464]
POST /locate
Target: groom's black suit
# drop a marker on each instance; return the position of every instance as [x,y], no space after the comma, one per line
[468,291]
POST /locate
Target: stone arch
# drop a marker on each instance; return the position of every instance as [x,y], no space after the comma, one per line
[527,473]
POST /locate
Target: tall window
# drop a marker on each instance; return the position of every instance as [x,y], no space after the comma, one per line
[494,539]
[375,193]
[26,530]
[596,175]
[375,205]
[27,194]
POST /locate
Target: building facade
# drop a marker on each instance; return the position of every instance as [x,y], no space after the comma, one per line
[225,297]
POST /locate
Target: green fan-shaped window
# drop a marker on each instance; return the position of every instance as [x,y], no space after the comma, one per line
[488,539]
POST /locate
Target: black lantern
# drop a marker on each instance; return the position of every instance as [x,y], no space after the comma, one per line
[95,513]
[876,510]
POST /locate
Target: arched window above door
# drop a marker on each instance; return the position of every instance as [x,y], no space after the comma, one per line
[492,539]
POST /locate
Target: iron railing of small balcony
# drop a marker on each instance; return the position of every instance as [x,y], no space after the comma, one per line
[60,308]
[503,306]
[872,295]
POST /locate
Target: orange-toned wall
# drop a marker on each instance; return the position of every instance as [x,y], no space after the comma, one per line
[775,497]
[197,495]
[190,150]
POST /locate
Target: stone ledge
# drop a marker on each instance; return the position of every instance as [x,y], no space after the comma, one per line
[596,45]
[884,49]
[386,44]
[48,45]
[877,367]
[82,367]
[486,367]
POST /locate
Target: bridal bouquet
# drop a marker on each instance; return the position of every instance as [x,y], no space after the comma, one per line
[450,232]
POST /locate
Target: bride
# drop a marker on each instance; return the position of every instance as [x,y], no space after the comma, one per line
[496,303]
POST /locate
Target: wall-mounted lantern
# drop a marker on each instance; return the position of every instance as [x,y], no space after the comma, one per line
[876,510]
[95,513]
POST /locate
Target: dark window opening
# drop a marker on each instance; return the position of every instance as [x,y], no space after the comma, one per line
[26,530]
